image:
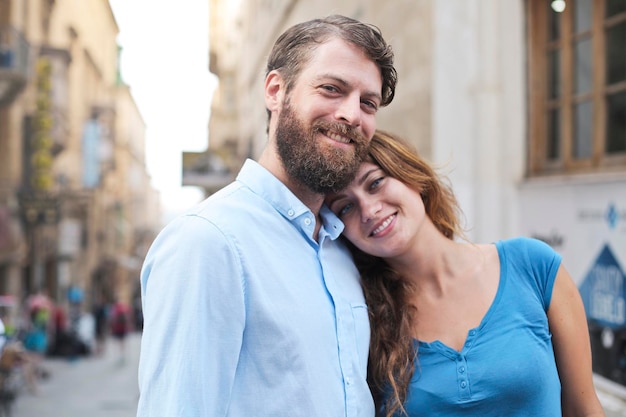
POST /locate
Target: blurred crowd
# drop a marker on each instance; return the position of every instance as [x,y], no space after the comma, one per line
[37,328]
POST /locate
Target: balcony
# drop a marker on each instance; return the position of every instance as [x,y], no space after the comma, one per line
[14,63]
[205,169]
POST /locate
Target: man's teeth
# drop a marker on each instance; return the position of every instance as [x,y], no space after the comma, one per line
[338,138]
[384,225]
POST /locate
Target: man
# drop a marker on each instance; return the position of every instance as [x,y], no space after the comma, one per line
[251,306]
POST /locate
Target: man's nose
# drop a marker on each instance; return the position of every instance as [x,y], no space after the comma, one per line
[349,110]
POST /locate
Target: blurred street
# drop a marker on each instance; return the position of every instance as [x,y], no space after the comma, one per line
[92,386]
[106,387]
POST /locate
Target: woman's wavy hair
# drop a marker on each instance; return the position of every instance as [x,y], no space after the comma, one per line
[393,351]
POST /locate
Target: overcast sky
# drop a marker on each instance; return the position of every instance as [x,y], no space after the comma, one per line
[165,63]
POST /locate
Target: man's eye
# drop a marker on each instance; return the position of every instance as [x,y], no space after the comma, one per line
[371,106]
[330,88]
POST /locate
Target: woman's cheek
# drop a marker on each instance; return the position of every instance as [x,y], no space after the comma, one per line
[353,235]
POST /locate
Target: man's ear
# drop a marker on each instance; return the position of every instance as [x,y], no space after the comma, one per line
[274,91]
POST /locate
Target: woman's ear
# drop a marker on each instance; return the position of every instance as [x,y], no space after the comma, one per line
[274,91]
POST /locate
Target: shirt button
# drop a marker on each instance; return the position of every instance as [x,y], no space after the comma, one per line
[472,332]
[290,213]
[307,221]
[348,381]
[462,369]
[463,384]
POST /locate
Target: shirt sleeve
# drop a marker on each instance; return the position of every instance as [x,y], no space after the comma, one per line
[194,315]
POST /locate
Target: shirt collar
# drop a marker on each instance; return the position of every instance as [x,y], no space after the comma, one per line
[271,189]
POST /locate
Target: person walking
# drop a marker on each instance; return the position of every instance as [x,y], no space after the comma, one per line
[251,305]
[100,311]
[459,328]
[3,336]
[120,327]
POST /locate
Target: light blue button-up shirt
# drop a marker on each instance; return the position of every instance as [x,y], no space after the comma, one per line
[247,315]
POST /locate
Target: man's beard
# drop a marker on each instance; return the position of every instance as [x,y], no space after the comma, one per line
[315,164]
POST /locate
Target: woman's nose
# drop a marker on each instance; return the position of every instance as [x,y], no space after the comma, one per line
[370,210]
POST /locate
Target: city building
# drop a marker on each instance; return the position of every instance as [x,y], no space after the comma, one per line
[77,210]
[521,103]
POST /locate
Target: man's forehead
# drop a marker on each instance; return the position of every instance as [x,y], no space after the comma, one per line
[342,62]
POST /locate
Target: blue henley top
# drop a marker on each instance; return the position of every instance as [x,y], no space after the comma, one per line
[507,365]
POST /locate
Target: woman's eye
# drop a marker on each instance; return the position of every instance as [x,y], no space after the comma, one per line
[345,209]
[376,183]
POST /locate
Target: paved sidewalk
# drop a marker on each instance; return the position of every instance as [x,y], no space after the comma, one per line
[88,387]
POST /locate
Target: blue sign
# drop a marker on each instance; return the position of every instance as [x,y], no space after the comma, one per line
[602,291]
[91,159]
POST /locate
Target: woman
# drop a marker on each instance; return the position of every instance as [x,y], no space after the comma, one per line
[459,328]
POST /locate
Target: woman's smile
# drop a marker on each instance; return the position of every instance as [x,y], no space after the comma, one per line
[383,226]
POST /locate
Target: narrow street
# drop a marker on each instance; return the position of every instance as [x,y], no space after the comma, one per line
[102,386]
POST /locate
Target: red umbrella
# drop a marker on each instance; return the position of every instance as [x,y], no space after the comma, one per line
[40,301]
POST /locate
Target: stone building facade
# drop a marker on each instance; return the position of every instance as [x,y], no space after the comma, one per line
[77,210]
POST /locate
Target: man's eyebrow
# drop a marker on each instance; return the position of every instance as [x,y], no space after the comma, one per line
[344,83]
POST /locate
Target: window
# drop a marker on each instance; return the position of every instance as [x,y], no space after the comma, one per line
[577,87]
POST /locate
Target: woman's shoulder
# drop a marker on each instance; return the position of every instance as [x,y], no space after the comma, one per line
[528,253]
[533,258]
[526,244]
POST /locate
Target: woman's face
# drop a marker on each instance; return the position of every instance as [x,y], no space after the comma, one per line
[382,215]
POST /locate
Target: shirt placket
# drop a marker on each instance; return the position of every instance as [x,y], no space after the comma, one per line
[343,323]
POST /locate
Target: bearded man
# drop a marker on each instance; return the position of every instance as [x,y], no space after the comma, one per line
[252,307]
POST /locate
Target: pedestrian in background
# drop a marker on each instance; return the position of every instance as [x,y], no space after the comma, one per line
[120,326]
[101,316]
[459,328]
[36,345]
[3,336]
[251,305]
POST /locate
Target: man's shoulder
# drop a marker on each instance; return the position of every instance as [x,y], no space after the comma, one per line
[231,211]
[231,201]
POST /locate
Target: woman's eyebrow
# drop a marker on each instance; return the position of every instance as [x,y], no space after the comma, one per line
[366,174]
[331,200]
